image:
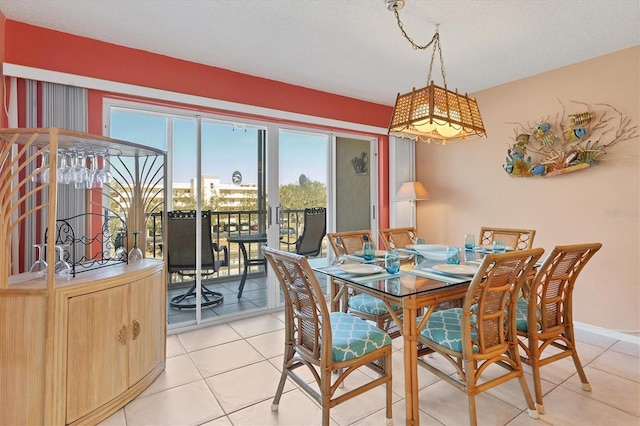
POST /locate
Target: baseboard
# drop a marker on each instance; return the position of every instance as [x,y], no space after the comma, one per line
[607,332]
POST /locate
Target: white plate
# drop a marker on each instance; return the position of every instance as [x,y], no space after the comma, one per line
[434,252]
[357,269]
[377,253]
[429,247]
[455,269]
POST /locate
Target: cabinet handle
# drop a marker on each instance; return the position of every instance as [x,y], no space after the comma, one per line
[136,329]
[122,335]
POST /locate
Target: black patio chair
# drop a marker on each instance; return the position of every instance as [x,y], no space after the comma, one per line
[181,256]
[309,244]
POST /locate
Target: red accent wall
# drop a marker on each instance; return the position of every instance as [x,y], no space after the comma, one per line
[47,49]
[3,115]
[38,47]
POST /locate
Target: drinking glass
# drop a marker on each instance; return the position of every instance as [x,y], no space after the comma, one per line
[62,267]
[39,266]
[135,254]
[368,250]
[392,261]
[499,246]
[453,255]
[469,241]
[420,240]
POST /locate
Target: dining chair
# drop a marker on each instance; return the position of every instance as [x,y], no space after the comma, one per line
[325,342]
[395,238]
[519,239]
[309,244]
[398,238]
[545,313]
[482,334]
[363,305]
[181,256]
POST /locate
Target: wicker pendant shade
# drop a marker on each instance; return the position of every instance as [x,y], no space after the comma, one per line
[452,118]
[433,113]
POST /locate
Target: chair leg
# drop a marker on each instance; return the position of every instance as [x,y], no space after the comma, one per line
[531,406]
[473,420]
[389,388]
[325,392]
[276,399]
[583,377]
[534,361]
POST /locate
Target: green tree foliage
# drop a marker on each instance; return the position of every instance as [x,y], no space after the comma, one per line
[297,197]
[292,197]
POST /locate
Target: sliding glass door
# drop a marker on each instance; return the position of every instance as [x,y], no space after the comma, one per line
[253,181]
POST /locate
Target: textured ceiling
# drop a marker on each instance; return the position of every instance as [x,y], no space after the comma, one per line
[353,47]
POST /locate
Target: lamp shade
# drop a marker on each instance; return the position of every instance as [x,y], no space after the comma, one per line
[410,191]
[435,114]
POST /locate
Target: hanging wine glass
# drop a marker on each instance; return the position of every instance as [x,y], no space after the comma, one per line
[79,171]
[64,166]
[92,171]
[135,254]
[39,267]
[62,267]
[44,174]
[103,172]
[43,170]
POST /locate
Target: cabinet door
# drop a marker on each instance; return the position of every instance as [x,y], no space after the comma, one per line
[147,322]
[96,350]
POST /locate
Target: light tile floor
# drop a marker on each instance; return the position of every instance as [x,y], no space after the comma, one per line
[227,375]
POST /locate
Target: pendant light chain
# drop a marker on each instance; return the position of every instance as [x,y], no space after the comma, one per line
[433,114]
[435,42]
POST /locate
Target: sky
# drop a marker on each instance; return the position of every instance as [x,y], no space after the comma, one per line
[225,148]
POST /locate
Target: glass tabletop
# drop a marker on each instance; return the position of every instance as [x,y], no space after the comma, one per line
[408,281]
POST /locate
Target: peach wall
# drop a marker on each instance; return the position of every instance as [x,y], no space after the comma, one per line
[470,189]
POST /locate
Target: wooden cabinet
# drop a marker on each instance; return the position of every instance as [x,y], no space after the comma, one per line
[116,337]
[73,351]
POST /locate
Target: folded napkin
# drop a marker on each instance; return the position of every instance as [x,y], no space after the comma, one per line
[438,276]
[360,259]
[335,271]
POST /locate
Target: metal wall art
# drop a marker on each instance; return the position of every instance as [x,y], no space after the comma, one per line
[571,142]
[360,164]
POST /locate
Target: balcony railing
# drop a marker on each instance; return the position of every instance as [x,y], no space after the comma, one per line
[232,223]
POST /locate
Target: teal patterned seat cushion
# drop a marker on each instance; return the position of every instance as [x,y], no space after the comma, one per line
[369,304]
[444,328]
[521,315]
[354,337]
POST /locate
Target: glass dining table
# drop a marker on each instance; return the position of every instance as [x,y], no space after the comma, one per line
[418,289]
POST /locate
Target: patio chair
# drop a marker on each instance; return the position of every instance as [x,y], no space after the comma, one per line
[363,305]
[326,342]
[181,256]
[518,239]
[309,244]
[482,333]
[545,313]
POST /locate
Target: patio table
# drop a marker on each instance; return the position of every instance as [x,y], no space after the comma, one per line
[241,240]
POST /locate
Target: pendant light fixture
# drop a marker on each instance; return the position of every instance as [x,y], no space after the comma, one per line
[433,113]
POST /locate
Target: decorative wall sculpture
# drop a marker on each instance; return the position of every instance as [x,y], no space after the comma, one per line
[571,142]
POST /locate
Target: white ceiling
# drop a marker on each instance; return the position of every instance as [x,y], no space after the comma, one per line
[353,47]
